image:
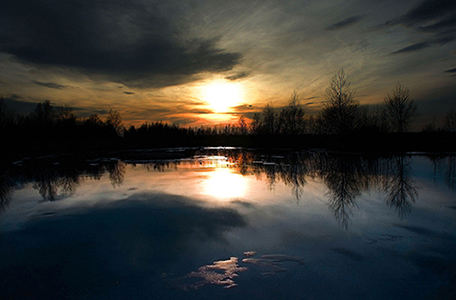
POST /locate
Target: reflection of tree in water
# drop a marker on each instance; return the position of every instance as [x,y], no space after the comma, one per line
[116,173]
[160,166]
[57,179]
[344,177]
[445,165]
[6,189]
[294,173]
[291,169]
[450,173]
[243,160]
[399,188]
[48,182]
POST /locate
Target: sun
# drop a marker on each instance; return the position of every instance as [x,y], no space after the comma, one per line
[221,96]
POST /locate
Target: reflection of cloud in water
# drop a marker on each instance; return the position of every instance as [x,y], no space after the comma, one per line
[219,273]
[223,272]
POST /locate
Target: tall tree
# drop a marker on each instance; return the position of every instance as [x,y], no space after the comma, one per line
[115,121]
[400,109]
[242,124]
[269,122]
[66,115]
[44,114]
[449,124]
[340,110]
[256,124]
[291,119]
[6,116]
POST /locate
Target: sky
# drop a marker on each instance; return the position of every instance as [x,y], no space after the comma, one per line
[207,62]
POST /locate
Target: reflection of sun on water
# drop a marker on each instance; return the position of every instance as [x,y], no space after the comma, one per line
[224,184]
[222,95]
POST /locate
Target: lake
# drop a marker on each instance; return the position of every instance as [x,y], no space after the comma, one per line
[229,223]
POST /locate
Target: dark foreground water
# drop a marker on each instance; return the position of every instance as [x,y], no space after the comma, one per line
[229,224]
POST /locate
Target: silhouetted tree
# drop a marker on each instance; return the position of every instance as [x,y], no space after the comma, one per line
[66,115]
[449,123]
[340,112]
[6,116]
[400,109]
[269,120]
[256,124]
[44,114]
[431,126]
[242,125]
[94,120]
[291,119]
[114,120]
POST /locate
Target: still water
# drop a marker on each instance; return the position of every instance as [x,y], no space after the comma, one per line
[218,223]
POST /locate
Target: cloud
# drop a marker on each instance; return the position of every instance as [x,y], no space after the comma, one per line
[412,48]
[427,10]
[200,111]
[437,16]
[448,23]
[450,70]
[19,106]
[345,23]
[422,45]
[243,108]
[130,43]
[237,76]
[429,16]
[50,85]
[129,93]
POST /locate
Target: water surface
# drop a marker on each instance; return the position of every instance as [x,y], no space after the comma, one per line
[224,223]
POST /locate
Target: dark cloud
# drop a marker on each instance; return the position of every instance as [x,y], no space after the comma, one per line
[50,85]
[129,93]
[431,16]
[450,70]
[243,108]
[448,23]
[422,45]
[19,106]
[437,16]
[201,111]
[412,48]
[427,10]
[237,76]
[22,106]
[129,42]
[345,23]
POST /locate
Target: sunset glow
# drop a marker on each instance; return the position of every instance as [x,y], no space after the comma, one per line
[223,58]
[222,96]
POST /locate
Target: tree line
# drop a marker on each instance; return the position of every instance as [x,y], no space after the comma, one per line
[341,115]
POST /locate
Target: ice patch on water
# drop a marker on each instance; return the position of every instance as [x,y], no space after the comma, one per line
[223,272]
